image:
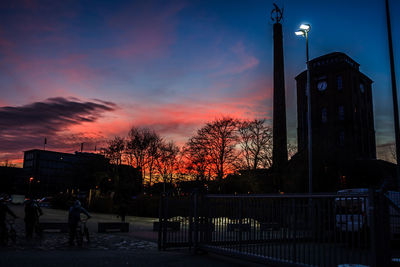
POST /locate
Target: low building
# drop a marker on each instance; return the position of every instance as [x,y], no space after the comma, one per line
[50,172]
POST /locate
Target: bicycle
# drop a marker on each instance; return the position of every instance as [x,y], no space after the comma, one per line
[82,231]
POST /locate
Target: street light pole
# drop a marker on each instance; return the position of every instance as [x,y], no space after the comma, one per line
[310,170]
[303,31]
[394,94]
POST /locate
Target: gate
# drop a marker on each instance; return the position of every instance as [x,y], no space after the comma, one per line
[287,230]
[175,221]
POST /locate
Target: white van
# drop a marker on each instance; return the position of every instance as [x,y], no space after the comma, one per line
[352,213]
[17,199]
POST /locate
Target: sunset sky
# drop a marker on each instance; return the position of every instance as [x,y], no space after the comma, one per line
[85,71]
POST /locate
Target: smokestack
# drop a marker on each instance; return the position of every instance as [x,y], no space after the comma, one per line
[279,152]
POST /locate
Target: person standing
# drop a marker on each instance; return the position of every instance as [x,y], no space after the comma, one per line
[4,209]
[32,214]
[74,217]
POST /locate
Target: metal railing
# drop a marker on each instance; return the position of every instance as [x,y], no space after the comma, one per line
[296,230]
[175,222]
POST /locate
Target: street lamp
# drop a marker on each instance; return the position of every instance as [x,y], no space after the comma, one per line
[303,31]
[394,93]
[30,182]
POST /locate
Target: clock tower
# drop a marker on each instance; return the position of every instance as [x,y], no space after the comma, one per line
[342,112]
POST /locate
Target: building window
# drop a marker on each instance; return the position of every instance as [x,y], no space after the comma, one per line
[339,82]
[324,115]
[341,113]
[28,164]
[341,138]
[362,87]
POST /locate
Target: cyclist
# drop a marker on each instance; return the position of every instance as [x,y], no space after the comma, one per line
[74,217]
[4,209]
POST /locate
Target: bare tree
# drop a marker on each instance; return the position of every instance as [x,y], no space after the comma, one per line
[218,140]
[7,163]
[181,170]
[153,154]
[256,144]
[115,150]
[198,162]
[141,147]
[166,161]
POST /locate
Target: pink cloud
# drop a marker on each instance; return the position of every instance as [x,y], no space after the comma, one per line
[50,76]
[241,61]
[181,118]
[5,43]
[139,36]
[177,120]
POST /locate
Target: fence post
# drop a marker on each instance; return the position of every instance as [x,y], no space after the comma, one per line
[160,221]
[190,233]
[206,221]
[164,225]
[294,233]
[240,222]
[380,229]
[196,221]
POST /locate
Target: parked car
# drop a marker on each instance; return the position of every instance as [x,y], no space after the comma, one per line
[352,211]
[45,202]
[17,199]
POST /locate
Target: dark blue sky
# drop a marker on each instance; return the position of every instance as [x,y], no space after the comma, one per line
[170,65]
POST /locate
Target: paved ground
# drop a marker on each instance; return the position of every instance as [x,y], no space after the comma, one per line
[113,258]
[136,248]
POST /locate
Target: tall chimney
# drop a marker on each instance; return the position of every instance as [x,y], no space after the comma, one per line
[279,152]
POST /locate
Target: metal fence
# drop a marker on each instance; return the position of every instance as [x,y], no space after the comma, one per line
[287,230]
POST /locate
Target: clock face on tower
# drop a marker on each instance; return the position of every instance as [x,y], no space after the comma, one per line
[322,85]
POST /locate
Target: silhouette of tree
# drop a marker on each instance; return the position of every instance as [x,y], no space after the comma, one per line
[181,170]
[115,150]
[198,163]
[219,148]
[153,155]
[166,161]
[217,141]
[256,144]
[142,148]
[7,163]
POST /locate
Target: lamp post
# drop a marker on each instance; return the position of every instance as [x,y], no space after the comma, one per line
[303,31]
[394,93]
[30,182]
